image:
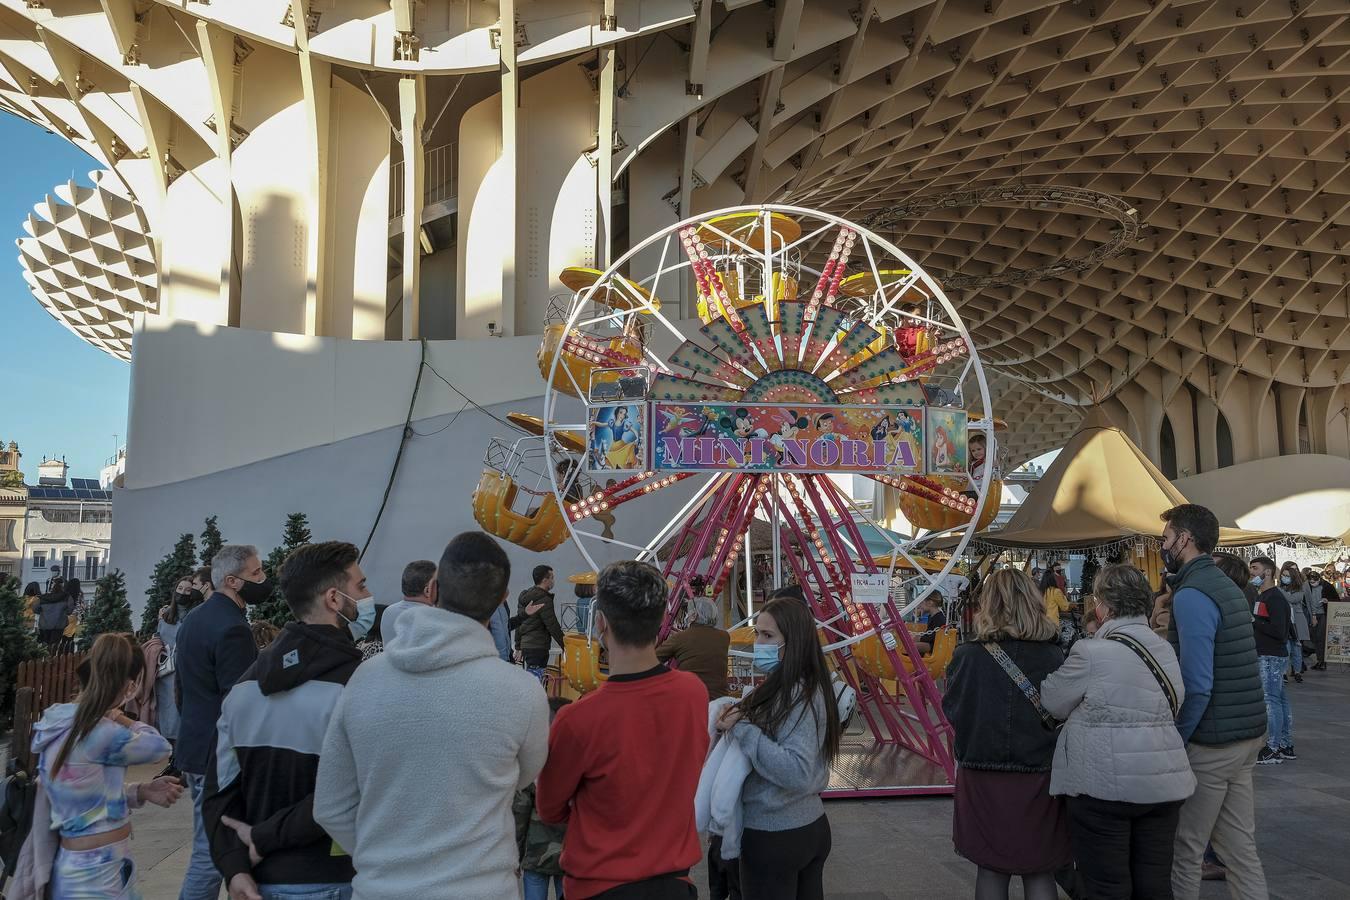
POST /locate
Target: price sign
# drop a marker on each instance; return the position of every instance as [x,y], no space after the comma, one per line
[873,589]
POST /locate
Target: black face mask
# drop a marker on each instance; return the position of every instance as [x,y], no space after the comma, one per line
[255,592]
[1171,562]
[190,597]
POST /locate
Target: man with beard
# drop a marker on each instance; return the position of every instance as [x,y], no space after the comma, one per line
[259,806]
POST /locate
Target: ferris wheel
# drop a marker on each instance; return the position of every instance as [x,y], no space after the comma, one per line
[821,352]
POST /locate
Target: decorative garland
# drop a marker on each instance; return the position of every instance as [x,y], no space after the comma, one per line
[1138,544]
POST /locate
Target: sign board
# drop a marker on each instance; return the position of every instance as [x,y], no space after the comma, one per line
[616,438]
[1337,648]
[872,589]
[758,437]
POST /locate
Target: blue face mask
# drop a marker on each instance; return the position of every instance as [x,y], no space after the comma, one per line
[1286,579]
[767,657]
[365,617]
[1256,580]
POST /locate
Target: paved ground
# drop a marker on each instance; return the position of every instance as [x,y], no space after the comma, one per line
[901,849]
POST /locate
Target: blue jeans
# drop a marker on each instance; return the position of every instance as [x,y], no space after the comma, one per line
[1279,717]
[305,891]
[201,881]
[1296,656]
[536,886]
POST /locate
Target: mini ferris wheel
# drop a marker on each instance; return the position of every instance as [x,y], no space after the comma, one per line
[822,353]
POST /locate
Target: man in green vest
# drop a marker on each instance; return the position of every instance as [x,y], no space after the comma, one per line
[1223,717]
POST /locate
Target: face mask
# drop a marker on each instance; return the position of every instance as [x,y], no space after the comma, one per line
[365,617]
[190,597]
[767,657]
[1286,579]
[255,592]
[1171,562]
[1256,581]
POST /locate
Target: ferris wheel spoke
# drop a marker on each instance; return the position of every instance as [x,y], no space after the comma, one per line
[660,268]
[685,514]
[728,238]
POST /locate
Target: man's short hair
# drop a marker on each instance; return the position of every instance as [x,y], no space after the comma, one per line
[1199,522]
[416,576]
[632,595]
[540,573]
[229,560]
[472,576]
[203,576]
[311,569]
[1267,563]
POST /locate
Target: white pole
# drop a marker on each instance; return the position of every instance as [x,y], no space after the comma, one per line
[749,578]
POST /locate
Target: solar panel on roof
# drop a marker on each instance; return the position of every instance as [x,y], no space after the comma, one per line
[87,484]
[36,493]
[84,494]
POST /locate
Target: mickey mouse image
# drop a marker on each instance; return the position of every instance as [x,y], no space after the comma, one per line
[787,429]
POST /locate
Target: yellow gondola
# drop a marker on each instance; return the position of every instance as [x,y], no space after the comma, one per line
[934,516]
[539,530]
[581,663]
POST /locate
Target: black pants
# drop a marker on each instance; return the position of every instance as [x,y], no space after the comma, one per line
[535,659]
[783,865]
[724,877]
[664,887]
[1123,850]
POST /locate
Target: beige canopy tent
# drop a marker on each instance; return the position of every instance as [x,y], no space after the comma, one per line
[1099,490]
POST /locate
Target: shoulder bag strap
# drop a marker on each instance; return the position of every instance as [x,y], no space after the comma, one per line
[1163,681]
[1019,678]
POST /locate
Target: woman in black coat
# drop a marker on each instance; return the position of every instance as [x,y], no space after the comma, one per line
[1004,819]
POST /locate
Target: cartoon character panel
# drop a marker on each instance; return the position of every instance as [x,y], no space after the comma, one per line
[788,438]
[946,441]
[616,438]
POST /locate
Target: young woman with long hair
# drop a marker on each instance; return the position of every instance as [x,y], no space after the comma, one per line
[788,728]
[1004,819]
[84,749]
[1052,589]
[32,595]
[1302,612]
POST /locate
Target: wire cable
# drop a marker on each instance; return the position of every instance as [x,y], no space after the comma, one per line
[398,457]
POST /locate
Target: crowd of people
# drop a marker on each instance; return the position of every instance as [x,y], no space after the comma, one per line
[1111,770]
[1123,768]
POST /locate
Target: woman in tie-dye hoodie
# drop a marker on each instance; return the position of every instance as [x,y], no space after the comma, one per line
[84,750]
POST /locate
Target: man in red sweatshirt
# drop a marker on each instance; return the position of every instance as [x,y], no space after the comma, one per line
[624,760]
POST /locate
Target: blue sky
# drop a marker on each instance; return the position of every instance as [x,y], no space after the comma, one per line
[61,396]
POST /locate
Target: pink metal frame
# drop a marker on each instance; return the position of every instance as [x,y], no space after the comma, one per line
[817,516]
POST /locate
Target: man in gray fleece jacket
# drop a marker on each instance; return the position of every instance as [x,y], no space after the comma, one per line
[429,743]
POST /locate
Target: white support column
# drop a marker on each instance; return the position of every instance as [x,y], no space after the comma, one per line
[509,198]
[604,168]
[316,80]
[688,135]
[412,103]
[218,60]
[604,150]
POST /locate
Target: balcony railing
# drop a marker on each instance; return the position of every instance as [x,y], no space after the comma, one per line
[438,183]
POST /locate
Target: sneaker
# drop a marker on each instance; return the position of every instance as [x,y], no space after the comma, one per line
[1298,676]
[1287,752]
[1211,872]
[1268,757]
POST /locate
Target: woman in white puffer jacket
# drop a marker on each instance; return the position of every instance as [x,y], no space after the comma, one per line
[1119,759]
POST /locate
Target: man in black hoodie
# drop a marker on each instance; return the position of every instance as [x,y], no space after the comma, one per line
[259,808]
